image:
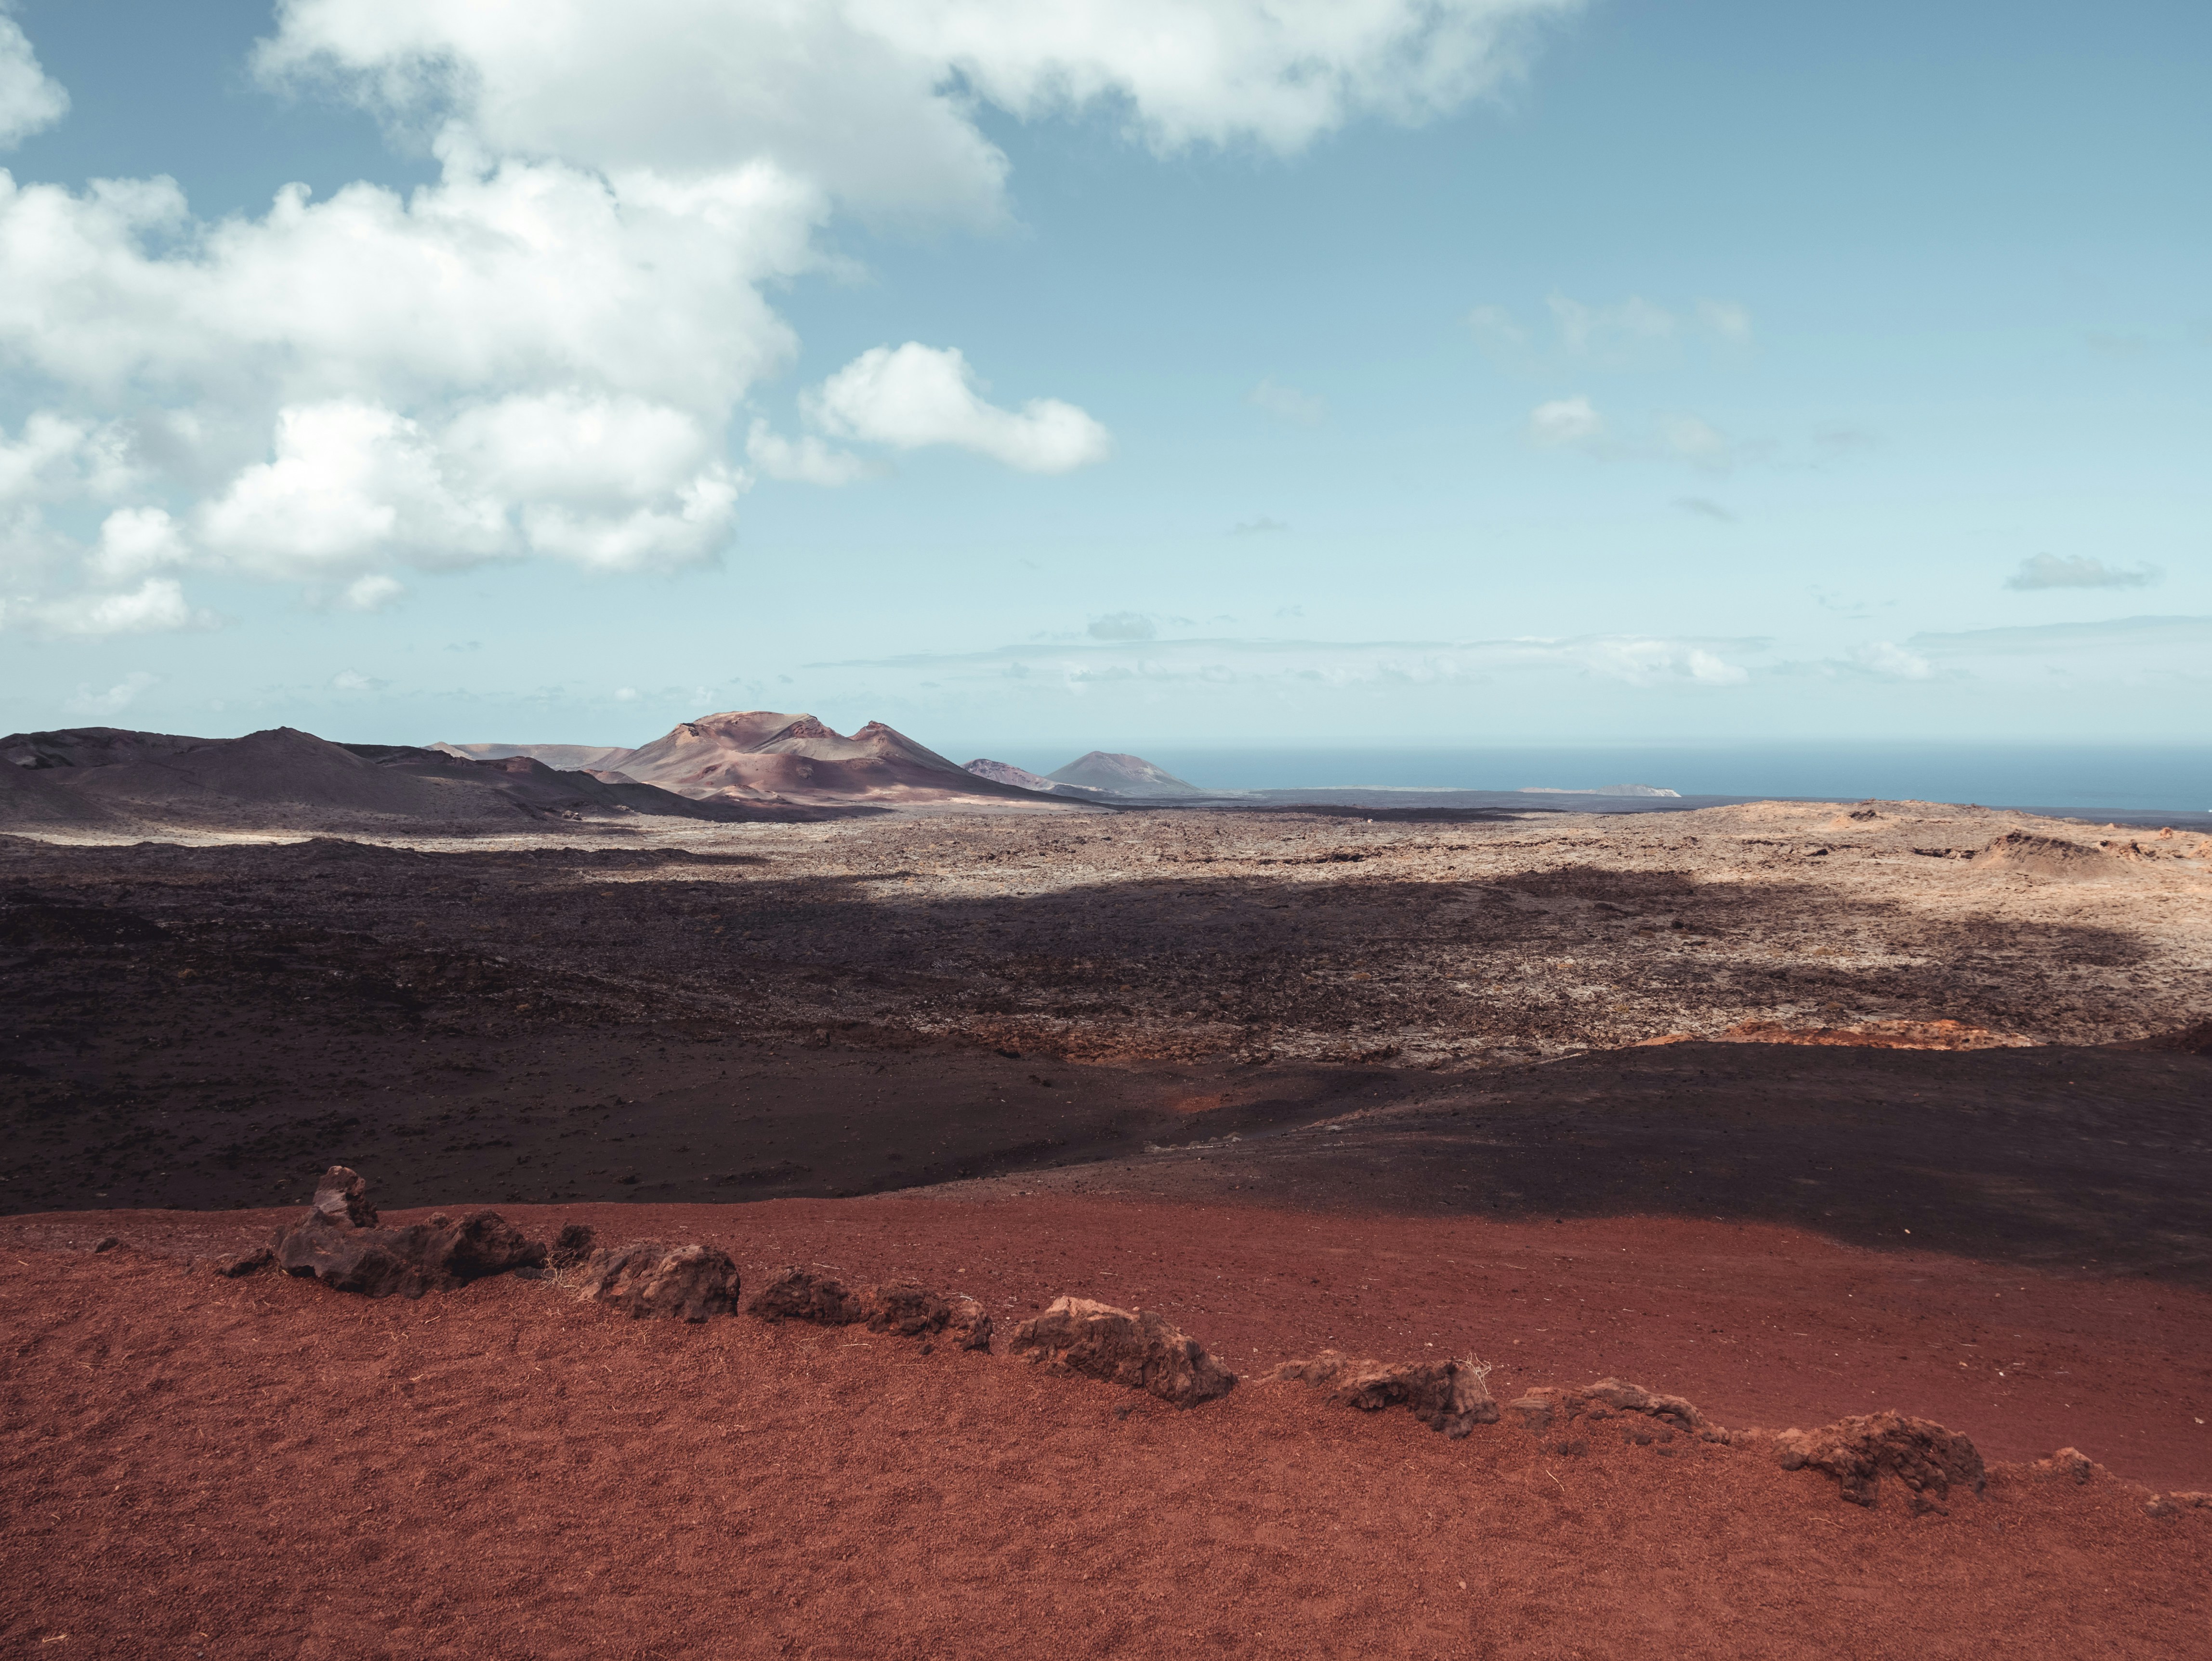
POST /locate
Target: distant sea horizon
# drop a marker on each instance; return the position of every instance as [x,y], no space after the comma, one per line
[2075,778]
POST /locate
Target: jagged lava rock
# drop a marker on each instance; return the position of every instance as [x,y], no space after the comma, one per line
[1450,1397]
[1859,1451]
[340,1245]
[651,1279]
[969,1327]
[245,1263]
[2071,1462]
[574,1245]
[900,1307]
[796,1294]
[1135,1348]
[1541,1408]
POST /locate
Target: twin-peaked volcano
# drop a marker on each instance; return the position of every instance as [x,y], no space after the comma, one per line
[757,754]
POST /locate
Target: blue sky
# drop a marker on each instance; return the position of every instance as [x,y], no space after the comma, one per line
[1497,372]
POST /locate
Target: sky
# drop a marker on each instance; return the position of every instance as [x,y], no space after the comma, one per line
[1160,373]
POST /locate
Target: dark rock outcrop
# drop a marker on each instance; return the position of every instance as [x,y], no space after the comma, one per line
[969,1328]
[1859,1451]
[2070,1463]
[798,1294]
[573,1246]
[1449,1396]
[904,1308]
[340,1243]
[899,1307]
[1136,1349]
[245,1263]
[650,1279]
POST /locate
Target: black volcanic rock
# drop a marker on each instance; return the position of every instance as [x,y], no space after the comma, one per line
[340,1243]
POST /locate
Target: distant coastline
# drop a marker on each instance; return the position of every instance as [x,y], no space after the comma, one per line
[2073,779]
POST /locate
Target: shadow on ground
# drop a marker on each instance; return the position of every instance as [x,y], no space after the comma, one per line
[2096,1159]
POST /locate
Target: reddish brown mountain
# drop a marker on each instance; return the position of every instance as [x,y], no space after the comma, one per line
[760,754]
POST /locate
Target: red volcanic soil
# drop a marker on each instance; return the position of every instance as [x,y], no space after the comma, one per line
[264,1466]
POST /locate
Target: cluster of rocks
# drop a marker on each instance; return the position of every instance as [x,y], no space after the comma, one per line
[341,1243]
[1452,1396]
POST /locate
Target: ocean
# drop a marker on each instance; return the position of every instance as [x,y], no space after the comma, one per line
[2072,778]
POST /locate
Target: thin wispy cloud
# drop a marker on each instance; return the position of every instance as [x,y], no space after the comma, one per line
[1633,659]
[2078,571]
[2132,635]
[1567,424]
[1624,334]
[1288,404]
[1122,625]
[1577,423]
[116,699]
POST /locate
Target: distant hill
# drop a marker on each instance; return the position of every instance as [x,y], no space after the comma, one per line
[1124,775]
[90,746]
[1002,772]
[1600,790]
[564,757]
[284,779]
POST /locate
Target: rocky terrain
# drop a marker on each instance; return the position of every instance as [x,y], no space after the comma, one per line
[1797,1114]
[264,1465]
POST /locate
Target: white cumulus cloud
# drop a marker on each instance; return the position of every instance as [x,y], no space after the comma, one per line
[154,605]
[133,541]
[914,395]
[875,99]
[351,484]
[805,459]
[30,101]
[544,352]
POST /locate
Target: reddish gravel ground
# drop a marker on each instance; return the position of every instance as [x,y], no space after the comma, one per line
[194,1466]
